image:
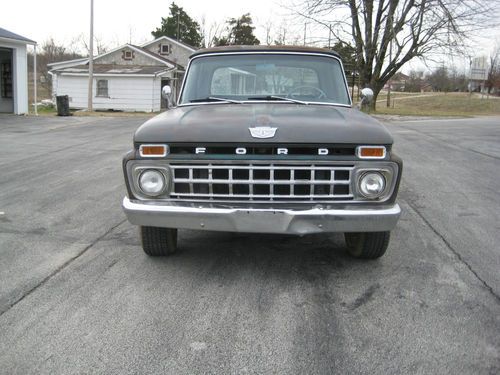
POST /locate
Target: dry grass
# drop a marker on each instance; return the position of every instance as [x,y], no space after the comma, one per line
[114,114]
[403,104]
[45,111]
[440,104]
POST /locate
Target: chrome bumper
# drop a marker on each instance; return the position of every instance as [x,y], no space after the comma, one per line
[257,220]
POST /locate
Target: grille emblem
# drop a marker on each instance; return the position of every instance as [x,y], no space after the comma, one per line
[263,132]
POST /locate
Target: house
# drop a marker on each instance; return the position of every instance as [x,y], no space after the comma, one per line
[128,78]
[13,72]
[397,82]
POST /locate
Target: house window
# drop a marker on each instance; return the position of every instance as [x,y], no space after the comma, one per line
[102,88]
[164,49]
[128,55]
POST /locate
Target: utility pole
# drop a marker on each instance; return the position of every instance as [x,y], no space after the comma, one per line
[91,57]
[305,30]
[34,80]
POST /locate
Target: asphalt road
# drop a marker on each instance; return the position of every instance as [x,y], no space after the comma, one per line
[77,295]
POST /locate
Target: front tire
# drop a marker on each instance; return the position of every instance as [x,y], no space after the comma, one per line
[158,241]
[367,245]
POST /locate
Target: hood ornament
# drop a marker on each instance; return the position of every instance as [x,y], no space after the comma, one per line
[262,132]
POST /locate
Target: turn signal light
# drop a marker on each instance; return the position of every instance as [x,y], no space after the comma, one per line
[371,152]
[155,151]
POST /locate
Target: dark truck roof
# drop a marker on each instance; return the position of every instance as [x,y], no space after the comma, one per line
[264,49]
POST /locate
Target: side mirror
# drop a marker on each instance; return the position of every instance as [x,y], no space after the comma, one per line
[166,94]
[166,91]
[366,95]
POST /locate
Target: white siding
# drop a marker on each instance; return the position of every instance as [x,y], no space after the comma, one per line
[125,93]
[19,75]
[54,86]
[157,89]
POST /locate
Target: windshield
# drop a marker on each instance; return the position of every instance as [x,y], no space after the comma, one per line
[266,76]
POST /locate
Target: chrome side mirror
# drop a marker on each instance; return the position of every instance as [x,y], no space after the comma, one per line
[366,98]
[166,91]
[366,95]
[166,94]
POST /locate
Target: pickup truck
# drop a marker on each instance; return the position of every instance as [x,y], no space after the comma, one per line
[263,139]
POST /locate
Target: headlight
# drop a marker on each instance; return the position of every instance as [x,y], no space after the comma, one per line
[371,184]
[152,182]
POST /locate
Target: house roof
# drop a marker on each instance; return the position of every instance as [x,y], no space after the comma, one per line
[68,63]
[6,34]
[111,69]
[138,49]
[61,65]
[172,40]
[399,76]
[157,56]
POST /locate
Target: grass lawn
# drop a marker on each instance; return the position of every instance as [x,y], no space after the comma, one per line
[43,111]
[46,111]
[439,104]
[404,104]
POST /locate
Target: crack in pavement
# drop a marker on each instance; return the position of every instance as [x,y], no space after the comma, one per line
[61,267]
[453,250]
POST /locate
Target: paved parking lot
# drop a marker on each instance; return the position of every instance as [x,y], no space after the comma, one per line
[77,295]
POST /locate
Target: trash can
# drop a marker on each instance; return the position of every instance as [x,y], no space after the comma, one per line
[62,102]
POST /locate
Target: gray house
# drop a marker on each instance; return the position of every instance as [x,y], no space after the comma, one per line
[13,72]
[128,78]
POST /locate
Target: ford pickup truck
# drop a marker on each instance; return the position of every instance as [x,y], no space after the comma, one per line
[263,139]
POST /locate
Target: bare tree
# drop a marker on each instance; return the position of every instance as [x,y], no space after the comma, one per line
[50,52]
[493,79]
[99,44]
[389,33]
[210,33]
[279,37]
[268,27]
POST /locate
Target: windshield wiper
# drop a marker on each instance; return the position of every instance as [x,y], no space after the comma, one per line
[274,97]
[215,99]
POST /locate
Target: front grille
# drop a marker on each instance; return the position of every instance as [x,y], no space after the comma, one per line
[261,182]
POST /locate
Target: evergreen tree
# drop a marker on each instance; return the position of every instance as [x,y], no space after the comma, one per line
[180,27]
[347,54]
[240,32]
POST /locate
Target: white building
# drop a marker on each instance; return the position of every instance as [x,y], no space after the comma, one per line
[128,78]
[13,72]
[478,74]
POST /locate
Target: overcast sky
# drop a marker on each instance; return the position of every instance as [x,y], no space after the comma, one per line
[117,21]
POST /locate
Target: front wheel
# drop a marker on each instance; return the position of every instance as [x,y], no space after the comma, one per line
[158,241]
[367,245]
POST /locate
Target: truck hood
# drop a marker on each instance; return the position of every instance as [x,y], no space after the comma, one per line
[295,123]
